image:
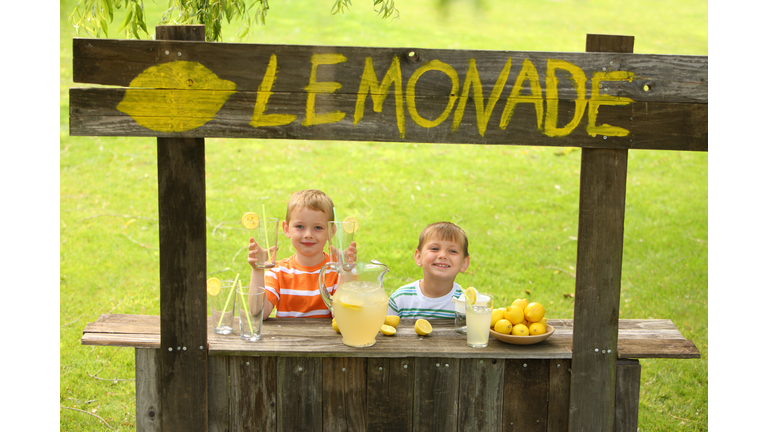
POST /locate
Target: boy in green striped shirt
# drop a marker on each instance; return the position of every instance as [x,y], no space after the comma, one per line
[442,252]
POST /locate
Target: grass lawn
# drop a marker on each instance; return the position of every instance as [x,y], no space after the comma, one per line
[519,205]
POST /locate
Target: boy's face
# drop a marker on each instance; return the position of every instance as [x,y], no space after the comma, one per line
[441,259]
[308,231]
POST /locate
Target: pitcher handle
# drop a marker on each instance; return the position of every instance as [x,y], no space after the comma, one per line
[327,297]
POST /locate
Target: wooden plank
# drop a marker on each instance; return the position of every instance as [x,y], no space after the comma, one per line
[300,390]
[390,394]
[314,337]
[662,91]
[627,403]
[652,125]
[481,392]
[671,78]
[344,394]
[436,394]
[181,209]
[558,395]
[148,405]
[218,394]
[598,276]
[253,393]
[526,384]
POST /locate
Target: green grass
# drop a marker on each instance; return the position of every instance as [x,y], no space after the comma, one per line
[519,205]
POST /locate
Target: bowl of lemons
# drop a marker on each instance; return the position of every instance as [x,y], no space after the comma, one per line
[521,323]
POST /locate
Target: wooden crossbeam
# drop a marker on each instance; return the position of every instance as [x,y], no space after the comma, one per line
[198,89]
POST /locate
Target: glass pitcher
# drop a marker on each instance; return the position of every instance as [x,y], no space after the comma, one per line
[359,303]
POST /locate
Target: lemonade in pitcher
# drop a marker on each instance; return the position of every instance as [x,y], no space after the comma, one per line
[360,308]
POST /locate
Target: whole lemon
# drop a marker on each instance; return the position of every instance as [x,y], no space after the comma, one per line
[520,330]
[496,315]
[534,312]
[537,328]
[514,314]
[521,303]
[503,326]
[335,326]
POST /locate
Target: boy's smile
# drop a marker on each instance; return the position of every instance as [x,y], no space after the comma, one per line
[308,231]
[441,259]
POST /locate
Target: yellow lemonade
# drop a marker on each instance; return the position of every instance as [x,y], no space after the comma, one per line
[478,325]
[360,308]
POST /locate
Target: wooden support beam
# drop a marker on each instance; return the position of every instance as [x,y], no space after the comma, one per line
[598,275]
[183,337]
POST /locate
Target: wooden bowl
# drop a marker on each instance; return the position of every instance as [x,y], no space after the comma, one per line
[523,340]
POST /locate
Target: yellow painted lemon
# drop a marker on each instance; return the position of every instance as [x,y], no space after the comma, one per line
[392,320]
[350,225]
[250,220]
[175,97]
[423,327]
[213,286]
[503,326]
[520,330]
[388,330]
[534,312]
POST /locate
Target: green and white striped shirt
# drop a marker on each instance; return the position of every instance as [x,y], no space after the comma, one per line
[409,302]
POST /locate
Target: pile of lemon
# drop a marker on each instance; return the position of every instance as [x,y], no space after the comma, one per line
[520,319]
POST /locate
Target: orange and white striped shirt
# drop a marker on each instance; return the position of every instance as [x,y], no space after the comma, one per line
[294,291]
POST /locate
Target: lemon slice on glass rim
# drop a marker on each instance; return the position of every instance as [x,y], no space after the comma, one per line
[250,220]
[350,224]
[213,286]
[470,295]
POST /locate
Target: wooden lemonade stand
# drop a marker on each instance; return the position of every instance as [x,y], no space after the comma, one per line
[585,377]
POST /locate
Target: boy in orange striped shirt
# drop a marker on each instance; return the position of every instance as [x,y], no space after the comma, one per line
[292,286]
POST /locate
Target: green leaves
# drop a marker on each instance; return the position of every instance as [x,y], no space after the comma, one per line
[94,16]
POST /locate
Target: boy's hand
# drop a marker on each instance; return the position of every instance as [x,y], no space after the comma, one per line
[351,252]
[258,256]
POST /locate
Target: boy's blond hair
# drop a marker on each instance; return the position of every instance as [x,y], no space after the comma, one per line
[312,199]
[444,231]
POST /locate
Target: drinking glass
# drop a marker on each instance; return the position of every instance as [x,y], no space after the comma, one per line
[223,308]
[250,306]
[479,321]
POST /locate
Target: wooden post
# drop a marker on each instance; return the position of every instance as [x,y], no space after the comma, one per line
[598,274]
[183,338]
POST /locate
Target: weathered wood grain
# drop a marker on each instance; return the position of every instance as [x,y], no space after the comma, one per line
[599,252]
[218,394]
[668,111]
[148,404]
[293,337]
[390,394]
[558,395]
[182,240]
[627,396]
[481,394]
[526,384]
[436,394]
[344,394]
[671,78]
[300,390]
[253,393]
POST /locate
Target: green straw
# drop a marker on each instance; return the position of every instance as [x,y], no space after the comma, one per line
[247,312]
[266,234]
[228,297]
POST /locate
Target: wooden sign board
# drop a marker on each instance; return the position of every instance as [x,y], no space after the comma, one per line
[203,89]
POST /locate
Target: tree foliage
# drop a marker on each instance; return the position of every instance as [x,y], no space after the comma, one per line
[94,16]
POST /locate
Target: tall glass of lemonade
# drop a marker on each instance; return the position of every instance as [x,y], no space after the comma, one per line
[479,321]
